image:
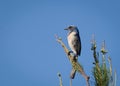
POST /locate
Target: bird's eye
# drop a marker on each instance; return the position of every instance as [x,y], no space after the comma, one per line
[70,26]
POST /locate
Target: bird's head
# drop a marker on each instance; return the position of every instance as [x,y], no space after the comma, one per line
[71,28]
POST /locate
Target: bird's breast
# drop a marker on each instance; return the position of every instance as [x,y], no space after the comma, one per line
[71,36]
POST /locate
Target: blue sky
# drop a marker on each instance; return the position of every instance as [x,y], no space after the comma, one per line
[29,53]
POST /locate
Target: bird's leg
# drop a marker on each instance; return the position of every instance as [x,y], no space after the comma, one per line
[76,57]
[70,52]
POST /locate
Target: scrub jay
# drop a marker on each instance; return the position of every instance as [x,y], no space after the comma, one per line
[74,40]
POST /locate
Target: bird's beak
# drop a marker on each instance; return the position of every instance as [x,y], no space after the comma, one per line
[66,29]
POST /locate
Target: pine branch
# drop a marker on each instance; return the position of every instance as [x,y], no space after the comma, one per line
[102,76]
[75,64]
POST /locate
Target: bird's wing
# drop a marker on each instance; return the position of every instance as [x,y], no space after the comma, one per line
[77,44]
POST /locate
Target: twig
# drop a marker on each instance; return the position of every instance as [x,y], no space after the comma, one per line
[70,82]
[60,78]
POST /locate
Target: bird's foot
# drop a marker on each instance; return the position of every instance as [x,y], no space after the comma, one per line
[75,57]
[70,52]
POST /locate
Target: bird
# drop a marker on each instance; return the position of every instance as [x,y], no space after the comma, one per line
[74,40]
